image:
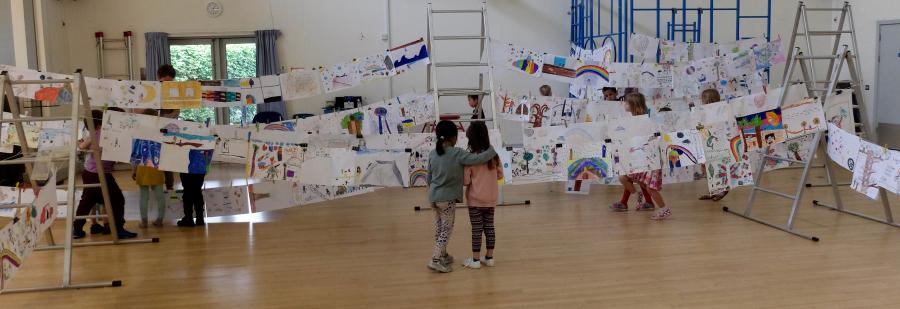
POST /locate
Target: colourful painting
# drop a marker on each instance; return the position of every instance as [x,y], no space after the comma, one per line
[559,68]
[515,107]
[682,149]
[409,54]
[226,201]
[144,152]
[761,129]
[537,164]
[523,60]
[181,95]
[340,76]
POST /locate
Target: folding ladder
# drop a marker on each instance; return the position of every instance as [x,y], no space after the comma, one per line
[124,44]
[484,45]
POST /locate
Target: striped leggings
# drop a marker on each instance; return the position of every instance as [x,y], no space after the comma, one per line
[482,223]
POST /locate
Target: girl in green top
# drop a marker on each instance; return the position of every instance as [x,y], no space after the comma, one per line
[446,164]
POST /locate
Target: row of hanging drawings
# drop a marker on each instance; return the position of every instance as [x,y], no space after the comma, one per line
[735,68]
[230,92]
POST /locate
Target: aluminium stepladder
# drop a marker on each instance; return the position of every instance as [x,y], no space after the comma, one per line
[841,54]
[486,55]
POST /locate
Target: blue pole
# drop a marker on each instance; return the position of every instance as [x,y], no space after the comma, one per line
[658,23]
[631,28]
[712,24]
[737,23]
[769,21]
[684,20]
[699,25]
[619,53]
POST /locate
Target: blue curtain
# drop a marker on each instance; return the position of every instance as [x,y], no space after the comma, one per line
[157,52]
[267,64]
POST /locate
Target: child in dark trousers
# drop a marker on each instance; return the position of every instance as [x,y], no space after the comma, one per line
[445,188]
[482,191]
[192,199]
[93,196]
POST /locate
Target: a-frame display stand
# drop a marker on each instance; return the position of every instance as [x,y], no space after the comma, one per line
[80,110]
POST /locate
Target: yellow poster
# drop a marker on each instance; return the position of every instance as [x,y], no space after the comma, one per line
[181,95]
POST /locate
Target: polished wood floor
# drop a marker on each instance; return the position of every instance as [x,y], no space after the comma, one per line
[562,251]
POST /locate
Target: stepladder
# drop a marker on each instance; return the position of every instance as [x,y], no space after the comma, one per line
[66,150]
[480,70]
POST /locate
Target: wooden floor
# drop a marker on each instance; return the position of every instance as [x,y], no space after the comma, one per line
[563,251]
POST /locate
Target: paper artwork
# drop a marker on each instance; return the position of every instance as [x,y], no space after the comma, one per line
[523,60]
[515,107]
[643,47]
[536,164]
[341,76]
[870,162]
[802,118]
[761,129]
[181,95]
[375,67]
[406,55]
[226,201]
[559,68]
[682,149]
[843,146]
[298,84]
[839,111]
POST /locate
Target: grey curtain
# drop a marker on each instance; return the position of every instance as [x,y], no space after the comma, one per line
[267,64]
[157,44]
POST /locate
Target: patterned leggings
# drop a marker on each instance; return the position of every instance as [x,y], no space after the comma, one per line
[482,222]
[444,215]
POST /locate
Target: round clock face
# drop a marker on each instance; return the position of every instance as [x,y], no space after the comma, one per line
[214,8]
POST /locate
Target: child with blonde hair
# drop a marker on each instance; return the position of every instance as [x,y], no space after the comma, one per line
[650,182]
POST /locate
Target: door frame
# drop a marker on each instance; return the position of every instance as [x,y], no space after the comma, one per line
[878,67]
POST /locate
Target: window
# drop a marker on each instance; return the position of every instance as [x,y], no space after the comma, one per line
[210,59]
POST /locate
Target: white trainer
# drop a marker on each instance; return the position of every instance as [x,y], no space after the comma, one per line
[488,262]
[471,263]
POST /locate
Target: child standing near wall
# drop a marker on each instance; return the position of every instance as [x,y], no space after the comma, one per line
[445,188]
[150,179]
[710,96]
[650,182]
[482,191]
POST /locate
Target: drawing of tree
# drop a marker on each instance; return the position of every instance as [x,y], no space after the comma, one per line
[803,126]
[757,123]
[816,121]
[528,156]
[795,149]
[742,123]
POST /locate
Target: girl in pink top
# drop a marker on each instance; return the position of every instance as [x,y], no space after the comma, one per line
[481,195]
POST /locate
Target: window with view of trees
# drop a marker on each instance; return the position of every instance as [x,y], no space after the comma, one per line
[209,59]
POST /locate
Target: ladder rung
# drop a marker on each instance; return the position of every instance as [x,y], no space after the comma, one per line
[117,75]
[91,217]
[460,64]
[461,92]
[822,33]
[458,37]
[115,48]
[41,82]
[113,40]
[824,9]
[819,57]
[790,197]
[89,185]
[58,203]
[36,119]
[455,11]
[32,160]
[817,89]
[776,158]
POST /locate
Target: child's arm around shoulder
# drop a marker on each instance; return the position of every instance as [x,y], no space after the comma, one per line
[468,158]
[467,175]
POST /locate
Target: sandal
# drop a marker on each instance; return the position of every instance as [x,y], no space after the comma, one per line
[706,197]
[618,207]
[661,214]
[719,196]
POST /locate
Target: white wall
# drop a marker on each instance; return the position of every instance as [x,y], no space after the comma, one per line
[313,33]
[867,14]
[325,32]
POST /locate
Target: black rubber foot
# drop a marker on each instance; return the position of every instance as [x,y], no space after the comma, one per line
[725,209]
[816,202]
[816,239]
[528,202]
[417,208]
[117,283]
[809,185]
[155,239]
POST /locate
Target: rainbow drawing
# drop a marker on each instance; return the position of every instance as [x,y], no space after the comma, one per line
[10,257]
[680,151]
[526,65]
[418,178]
[587,169]
[593,70]
[737,147]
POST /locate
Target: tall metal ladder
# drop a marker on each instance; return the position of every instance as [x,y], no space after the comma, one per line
[486,52]
[124,44]
[839,55]
[484,45]
[80,110]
